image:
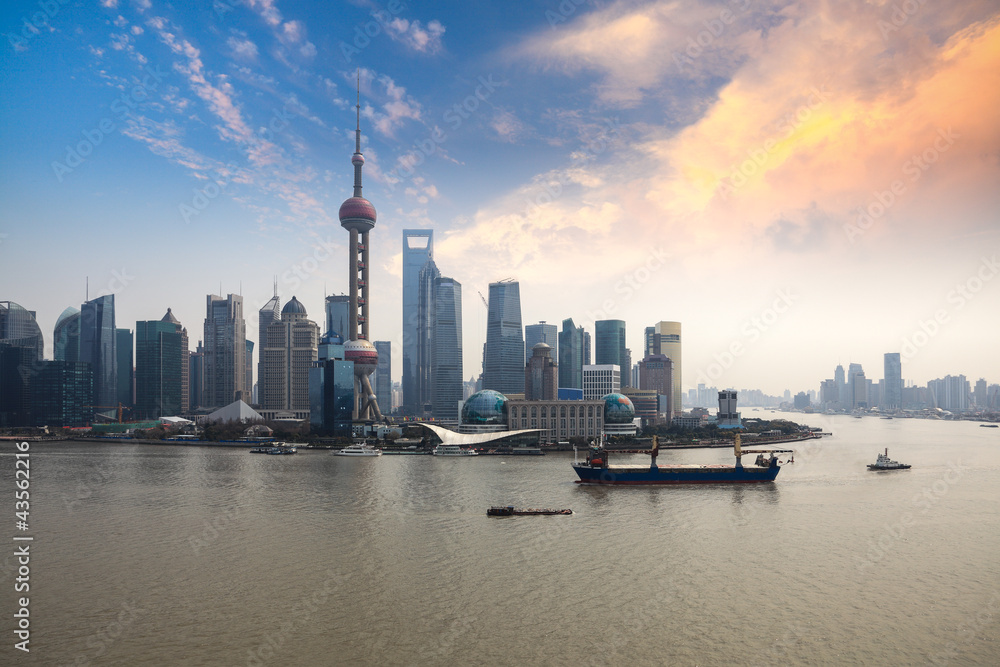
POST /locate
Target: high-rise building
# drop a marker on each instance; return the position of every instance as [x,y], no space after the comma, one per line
[225,351]
[383,375]
[670,344]
[503,365]
[331,396]
[426,311]
[196,377]
[99,348]
[541,333]
[950,393]
[892,399]
[288,353]
[157,369]
[185,353]
[728,416]
[609,347]
[18,367]
[269,313]
[979,394]
[61,394]
[656,372]
[66,336]
[126,367]
[446,362]
[357,216]
[541,375]
[19,328]
[248,373]
[840,379]
[418,249]
[338,315]
[599,380]
[572,355]
[857,386]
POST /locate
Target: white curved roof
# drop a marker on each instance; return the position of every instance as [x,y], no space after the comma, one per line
[449,437]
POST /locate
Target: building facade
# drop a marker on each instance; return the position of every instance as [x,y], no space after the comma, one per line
[125,343]
[892,397]
[541,333]
[600,380]
[66,336]
[157,369]
[572,355]
[656,372]
[447,359]
[503,362]
[61,394]
[541,375]
[558,420]
[331,397]
[290,349]
[18,327]
[426,312]
[99,348]
[609,347]
[383,376]
[225,351]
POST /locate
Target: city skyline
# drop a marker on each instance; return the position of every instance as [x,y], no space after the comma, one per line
[811,168]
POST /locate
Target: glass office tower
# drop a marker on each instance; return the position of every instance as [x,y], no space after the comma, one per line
[99,348]
[503,362]
[447,357]
[418,248]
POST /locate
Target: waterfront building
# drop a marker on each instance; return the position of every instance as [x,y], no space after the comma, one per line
[558,420]
[609,347]
[418,249]
[126,367]
[383,375]
[503,363]
[66,336]
[99,348]
[541,375]
[185,353]
[290,348]
[157,369]
[541,333]
[600,380]
[573,355]
[331,396]
[19,328]
[225,351]
[447,359]
[61,394]
[892,398]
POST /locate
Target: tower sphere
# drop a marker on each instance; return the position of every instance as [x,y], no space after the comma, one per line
[363,354]
[357,212]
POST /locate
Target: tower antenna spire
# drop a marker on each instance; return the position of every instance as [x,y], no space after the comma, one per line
[357,143]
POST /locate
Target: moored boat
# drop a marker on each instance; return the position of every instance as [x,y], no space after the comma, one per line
[883,462]
[362,449]
[596,470]
[281,448]
[453,450]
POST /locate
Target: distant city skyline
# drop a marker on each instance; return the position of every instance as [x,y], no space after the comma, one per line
[797,196]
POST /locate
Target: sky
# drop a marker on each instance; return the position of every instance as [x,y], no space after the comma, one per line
[800,184]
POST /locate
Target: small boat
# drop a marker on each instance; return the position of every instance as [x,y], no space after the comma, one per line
[453,450]
[282,449]
[883,462]
[988,426]
[358,450]
[509,510]
[259,450]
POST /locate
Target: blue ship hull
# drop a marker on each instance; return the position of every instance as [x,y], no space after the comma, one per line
[680,474]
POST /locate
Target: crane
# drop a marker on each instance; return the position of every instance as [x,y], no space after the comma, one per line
[486,305]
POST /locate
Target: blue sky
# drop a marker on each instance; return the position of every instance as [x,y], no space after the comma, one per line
[800,184]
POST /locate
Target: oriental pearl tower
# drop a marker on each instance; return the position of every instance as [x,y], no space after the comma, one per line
[357,215]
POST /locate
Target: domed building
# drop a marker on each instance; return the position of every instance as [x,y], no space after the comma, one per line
[484,412]
[619,415]
[287,352]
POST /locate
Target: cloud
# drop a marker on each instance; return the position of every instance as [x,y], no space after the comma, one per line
[396,108]
[415,36]
[242,48]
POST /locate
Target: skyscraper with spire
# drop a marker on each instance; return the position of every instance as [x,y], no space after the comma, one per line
[357,216]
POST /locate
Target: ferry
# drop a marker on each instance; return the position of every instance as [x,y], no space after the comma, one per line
[282,448]
[453,450]
[596,470]
[358,450]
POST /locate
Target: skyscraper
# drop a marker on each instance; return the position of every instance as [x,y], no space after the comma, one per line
[447,357]
[426,313]
[357,216]
[99,348]
[269,313]
[66,336]
[185,366]
[857,387]
[338,315]
[840,379]
[609,347]
[541,333]
[157,369]
[18,328]
[670,345]
[892,399]
[541,375]
[571,355]
[196,377]
[418,249]
[383,375]
[225,351]
[503,365]
[288,352]
[126,367]
[61,394]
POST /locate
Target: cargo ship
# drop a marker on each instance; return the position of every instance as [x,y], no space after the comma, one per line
[596,470]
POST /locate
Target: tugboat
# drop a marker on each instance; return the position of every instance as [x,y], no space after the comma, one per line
[595,470]
[883,462]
